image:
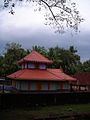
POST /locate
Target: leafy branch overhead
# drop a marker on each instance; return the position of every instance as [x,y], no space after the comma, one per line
[59,13]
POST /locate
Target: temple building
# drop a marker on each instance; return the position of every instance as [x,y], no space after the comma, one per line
[36,76]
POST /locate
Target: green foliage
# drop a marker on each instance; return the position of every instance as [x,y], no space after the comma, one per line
[67,59]
[41,50]
[2,65]
[84,67]
[60,14]
[14,52]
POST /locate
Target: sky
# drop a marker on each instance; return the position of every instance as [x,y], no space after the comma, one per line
[28,28]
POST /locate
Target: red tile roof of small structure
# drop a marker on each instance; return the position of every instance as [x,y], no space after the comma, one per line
[83,78]
[37,74]
[35,57]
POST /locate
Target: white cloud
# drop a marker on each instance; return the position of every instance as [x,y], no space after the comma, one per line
[84,8]
[27,27]
[23,18]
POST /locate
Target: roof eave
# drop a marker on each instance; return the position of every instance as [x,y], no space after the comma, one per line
[40,79]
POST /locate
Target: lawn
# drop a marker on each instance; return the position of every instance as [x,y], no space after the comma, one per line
[28,114]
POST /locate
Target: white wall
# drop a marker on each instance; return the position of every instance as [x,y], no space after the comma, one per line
[24,85]
[44,86]
[31,85]
[66,85]
[18,85]
[53,86]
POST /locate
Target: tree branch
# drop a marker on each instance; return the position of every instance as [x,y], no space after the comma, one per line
[64,13]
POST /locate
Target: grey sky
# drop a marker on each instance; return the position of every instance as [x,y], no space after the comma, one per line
[27,28]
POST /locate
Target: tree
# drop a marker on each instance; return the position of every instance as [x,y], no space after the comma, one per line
[64,59]
[72,49]
[2,72]
[14,52]
[86,66]
[41,50]
[54,54]
[68,60]
[60,13]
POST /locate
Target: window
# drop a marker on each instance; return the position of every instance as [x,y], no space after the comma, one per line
[30,65]
[42,66]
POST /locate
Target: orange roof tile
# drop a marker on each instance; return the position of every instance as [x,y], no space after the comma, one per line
[37,74]
[60,73]
[35,57]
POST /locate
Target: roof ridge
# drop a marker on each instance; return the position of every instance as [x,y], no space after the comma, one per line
[41,55]
[20,74]
[62,74]
[53,73]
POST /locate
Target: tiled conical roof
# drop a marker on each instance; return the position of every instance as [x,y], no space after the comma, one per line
[35,57]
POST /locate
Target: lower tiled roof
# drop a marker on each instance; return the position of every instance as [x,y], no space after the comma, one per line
[37,74]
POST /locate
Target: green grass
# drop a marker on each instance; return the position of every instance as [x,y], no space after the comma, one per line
[27,114]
